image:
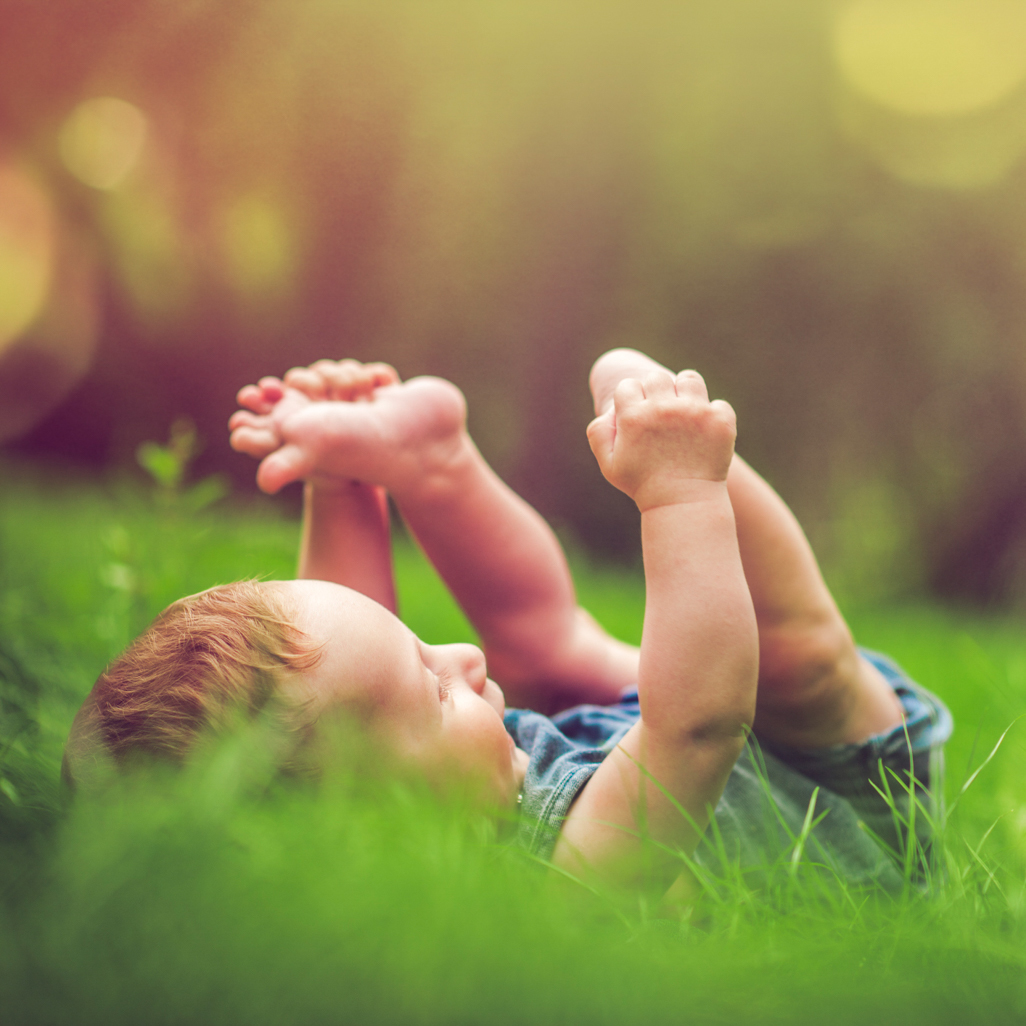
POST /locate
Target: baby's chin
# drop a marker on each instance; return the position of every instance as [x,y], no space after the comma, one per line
[520,763]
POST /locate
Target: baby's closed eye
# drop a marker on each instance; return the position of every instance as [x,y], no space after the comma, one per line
[444,684]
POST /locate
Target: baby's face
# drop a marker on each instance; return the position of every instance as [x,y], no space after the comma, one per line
[433,705]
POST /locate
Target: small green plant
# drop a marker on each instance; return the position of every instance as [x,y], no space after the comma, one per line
[19,698]
[168,465]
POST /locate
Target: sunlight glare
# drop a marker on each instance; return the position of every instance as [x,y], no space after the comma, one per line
[975,151]
[932,57]
[26,252]
[257,244]
[101,141]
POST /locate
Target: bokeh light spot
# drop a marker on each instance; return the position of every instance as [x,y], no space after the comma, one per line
[101,141]
[975,151]
[257,244]
[26,252]
[150,252]
[932,57]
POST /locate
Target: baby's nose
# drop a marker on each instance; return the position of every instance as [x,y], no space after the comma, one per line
[468,662]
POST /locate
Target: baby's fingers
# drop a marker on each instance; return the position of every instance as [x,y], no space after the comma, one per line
[691,383]
[602,436]
[725,413]
[659,384]
[627,393]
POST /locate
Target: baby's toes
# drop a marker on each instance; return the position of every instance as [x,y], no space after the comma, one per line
[383,374]
[272,388]
[251,397]
[254,440]
[351,380]
[242,418]
[307,381]
[331,368]
[345,380]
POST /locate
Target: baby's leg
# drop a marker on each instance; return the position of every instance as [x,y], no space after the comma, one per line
[814,687]
[346,532]
[497,555]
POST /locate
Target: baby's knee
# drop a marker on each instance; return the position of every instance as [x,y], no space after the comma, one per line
[813,654]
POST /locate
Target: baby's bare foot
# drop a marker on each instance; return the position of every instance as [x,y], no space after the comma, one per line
[397,438]
[255,432]
[613,367]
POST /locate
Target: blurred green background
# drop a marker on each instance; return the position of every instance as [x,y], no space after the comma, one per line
[817,203]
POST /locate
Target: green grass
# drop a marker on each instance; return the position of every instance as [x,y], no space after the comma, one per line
[226,895]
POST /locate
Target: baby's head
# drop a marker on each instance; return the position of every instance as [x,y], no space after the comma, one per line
[302,650]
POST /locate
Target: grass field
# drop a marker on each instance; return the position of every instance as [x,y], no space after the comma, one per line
[224,895]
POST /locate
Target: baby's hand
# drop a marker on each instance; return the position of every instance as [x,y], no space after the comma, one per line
[662,442]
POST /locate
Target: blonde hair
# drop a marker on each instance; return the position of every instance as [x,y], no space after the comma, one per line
[205,659]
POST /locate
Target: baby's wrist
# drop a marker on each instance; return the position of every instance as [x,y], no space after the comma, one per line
[679,492]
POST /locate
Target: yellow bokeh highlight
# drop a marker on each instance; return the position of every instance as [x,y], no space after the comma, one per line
[932,57]
[258,245]
[26,252]
[975,151]
[149,252]
[102,140]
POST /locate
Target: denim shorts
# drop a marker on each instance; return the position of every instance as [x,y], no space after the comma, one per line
[905,760]
[764,790]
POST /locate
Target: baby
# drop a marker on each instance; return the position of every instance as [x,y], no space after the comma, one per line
[629,751]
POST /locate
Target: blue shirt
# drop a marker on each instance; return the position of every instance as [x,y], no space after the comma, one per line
[768,793]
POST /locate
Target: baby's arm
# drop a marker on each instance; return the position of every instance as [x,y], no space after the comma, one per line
[346,534]
[497,555]
[669,448]
[347,539]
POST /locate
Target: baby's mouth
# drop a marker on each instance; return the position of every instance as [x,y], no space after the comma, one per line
[494,696]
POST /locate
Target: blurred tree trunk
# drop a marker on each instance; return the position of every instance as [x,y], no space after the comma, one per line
[974,560]
[571,266]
